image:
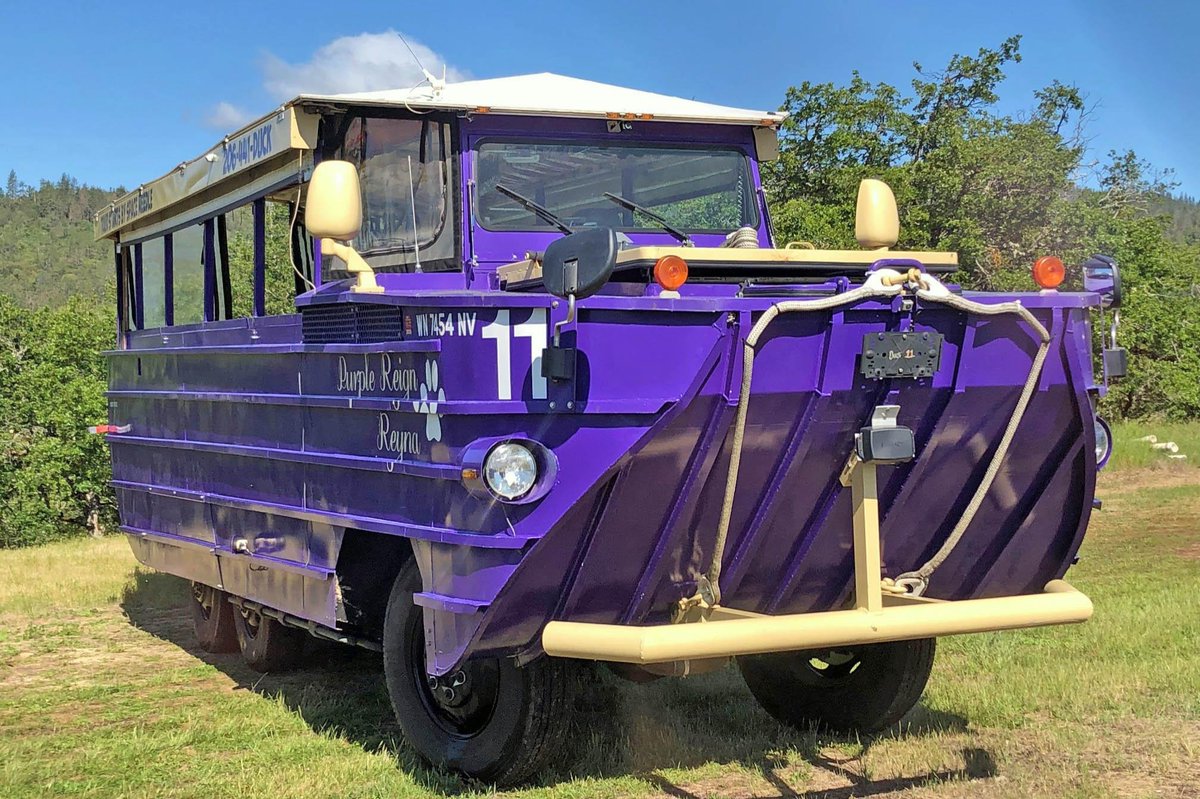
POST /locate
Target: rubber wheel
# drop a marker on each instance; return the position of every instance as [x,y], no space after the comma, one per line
[489,720]
[863,690]
[266,644]
[212,618]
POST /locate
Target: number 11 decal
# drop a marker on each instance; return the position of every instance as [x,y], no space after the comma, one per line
[503,332]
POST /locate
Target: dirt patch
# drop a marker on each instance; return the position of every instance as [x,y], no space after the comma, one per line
[1126,482]
[86,651]
[1191,552]
[892,766]
[1129,758]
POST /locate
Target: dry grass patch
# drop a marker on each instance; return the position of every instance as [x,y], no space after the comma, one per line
[103,694]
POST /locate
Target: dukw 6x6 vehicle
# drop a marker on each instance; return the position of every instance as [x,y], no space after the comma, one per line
[551,392]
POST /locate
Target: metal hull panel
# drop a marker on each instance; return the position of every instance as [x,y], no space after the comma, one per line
[289,445]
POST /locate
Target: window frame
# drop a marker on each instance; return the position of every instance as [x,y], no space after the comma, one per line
[383,260]
[748,200]
[217,304]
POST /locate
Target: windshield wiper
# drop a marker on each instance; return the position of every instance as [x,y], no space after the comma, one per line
[684,238]
[544,213]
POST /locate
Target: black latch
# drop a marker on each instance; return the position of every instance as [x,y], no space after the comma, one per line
[558,363]
[1116,362]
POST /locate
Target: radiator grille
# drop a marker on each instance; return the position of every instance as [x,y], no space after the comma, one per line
[351,323]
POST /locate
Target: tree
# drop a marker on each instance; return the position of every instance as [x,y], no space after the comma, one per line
[46,238]
[1001,190]
[53,474]
[1129,184]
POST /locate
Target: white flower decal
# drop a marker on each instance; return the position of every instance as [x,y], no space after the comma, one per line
[431,395]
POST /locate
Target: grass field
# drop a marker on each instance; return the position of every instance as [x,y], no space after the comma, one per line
[103,694]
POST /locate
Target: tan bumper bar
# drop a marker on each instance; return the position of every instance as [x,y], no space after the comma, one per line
[737,633]
[880,613]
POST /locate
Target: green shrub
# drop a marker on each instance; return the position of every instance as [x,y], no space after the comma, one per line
[53,473]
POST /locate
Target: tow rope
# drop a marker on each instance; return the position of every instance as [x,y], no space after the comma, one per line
[880,283]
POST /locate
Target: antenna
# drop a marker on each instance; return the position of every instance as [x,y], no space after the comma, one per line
[412,198]
[437,84]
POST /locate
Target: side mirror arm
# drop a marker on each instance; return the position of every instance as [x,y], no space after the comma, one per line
[558,326]
[364,275]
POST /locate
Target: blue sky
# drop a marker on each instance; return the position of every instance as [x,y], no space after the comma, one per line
[120,93]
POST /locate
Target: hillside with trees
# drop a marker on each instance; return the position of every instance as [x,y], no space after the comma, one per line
[46,238]
[998,189]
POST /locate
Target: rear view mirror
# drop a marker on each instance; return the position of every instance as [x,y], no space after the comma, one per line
[578,265]
[333,208]
[1101,276]
[876,220]
[333,214]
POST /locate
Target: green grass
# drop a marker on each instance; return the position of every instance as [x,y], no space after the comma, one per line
[103,694]
[1130,453]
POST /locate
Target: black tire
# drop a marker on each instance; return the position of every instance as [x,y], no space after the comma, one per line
[212,619]
[266,644]
[863,689]
[499,723]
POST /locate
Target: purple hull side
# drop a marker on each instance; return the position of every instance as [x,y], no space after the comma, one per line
[254,433]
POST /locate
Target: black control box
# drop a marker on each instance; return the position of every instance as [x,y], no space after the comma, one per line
[885,444]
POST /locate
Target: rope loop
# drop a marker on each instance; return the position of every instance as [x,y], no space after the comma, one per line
[883,282]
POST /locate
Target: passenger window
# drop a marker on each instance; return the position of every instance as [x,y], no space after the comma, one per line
[188,269]
[126,288]
[282,282]
[239,250]
[286,255]
[299,261]
[154,305]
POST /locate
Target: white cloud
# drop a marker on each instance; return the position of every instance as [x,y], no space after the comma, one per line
[366,62]
[227,117]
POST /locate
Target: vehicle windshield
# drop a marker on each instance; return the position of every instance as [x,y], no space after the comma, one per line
[697,189]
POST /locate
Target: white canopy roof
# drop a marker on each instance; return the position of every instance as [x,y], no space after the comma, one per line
[276,150]
[547,94]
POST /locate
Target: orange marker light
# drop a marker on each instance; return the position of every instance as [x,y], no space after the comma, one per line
[1049,272]
[670,272]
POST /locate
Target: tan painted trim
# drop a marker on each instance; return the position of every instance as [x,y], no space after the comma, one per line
[286,135]
[766,143]
[1059,604]
[204,204]
[526,270]
[521,271]
[793,256]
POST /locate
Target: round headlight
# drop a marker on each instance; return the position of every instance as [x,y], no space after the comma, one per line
[510,470]
[1103,443]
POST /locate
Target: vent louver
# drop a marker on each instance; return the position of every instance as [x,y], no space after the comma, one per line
[351,323]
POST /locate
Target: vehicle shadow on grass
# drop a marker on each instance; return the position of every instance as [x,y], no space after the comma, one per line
[620,729]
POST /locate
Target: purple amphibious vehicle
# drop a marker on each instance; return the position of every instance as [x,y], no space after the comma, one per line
[550,392]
